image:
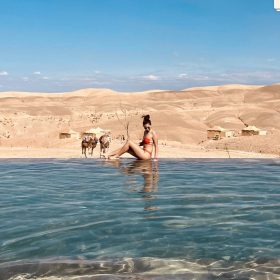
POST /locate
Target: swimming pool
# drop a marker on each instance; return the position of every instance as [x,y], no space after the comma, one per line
[130,219]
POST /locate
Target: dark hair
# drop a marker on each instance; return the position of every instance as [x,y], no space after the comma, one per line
[146,119]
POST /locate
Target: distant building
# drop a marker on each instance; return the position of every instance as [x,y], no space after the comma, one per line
[217,133]
[94,132]
[69,133]
[252,130]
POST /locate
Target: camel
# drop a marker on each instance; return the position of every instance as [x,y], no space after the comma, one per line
[104,141]
[88,144]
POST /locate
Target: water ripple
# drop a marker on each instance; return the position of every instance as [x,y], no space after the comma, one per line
[176,210]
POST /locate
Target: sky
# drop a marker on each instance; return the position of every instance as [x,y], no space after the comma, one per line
[135,45]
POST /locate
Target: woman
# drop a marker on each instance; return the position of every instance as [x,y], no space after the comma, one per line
[149,139]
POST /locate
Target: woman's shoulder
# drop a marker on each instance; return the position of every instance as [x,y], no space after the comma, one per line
[153,133]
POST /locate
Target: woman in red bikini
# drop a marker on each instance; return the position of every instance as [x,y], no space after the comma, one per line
[149,140]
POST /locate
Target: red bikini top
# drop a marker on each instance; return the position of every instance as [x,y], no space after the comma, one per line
[147,141]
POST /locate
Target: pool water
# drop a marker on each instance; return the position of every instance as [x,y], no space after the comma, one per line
[130,219]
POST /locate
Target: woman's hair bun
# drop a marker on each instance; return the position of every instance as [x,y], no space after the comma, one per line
[146,117]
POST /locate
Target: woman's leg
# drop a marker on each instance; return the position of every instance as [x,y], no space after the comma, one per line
[131,148]
[120,151]
[116,151]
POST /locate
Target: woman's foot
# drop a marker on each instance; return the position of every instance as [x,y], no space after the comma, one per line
[113,157]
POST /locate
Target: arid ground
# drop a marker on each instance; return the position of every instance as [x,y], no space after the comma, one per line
[30,123]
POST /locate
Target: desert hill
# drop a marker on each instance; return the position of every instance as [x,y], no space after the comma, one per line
[181,117]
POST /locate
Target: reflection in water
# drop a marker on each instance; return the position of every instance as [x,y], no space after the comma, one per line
[148,170]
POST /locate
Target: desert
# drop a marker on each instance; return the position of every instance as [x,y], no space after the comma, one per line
[30,123]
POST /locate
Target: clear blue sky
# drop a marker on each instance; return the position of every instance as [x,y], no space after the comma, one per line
[131,45]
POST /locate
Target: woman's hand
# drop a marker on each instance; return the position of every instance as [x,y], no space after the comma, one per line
[155,140]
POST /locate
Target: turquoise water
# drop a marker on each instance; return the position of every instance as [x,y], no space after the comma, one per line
[183,219]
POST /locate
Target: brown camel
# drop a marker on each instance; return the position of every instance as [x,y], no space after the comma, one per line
[104,141]
[89,144]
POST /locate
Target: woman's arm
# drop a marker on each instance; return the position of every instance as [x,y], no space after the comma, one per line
[155,139]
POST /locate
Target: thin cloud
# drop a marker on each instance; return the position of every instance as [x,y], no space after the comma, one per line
[271,60]
[151,78]
[142,81]
[37,73]
[183,76]
[196,77]
[4,73]
[251,76]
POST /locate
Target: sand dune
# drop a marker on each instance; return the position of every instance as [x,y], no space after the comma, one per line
[34,120]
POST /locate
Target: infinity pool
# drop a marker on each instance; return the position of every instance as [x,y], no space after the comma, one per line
[129,219]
